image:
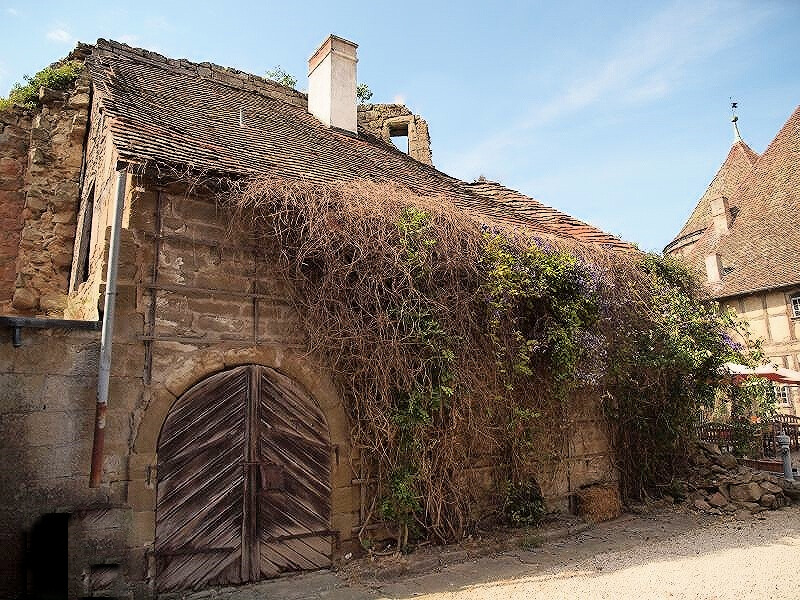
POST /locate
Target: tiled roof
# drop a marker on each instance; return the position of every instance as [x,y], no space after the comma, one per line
[212,119]
[738,164]
[761,249]
[543,216]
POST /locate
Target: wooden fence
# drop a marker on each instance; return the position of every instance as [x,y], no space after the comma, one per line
[738,438]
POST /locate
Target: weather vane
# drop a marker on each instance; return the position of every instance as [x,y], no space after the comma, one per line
[734,118]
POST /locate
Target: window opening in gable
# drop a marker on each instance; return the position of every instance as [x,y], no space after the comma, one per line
[399,136]
[82,262]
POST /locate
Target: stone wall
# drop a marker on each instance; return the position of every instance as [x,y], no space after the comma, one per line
[387,120]
[93,221]
[52,181]
[47,392]
[719,484]
[15,126]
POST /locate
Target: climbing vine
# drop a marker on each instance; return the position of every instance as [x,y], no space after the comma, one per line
[460,348]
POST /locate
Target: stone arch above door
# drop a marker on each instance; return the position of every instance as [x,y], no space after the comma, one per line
[193,367]
[190,368]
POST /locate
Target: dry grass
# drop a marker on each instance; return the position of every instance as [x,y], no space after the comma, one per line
[599,503]
[361,286]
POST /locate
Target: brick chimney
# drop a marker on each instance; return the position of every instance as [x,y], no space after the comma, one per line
[332,83]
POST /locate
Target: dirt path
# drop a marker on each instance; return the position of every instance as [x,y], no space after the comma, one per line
[672,555]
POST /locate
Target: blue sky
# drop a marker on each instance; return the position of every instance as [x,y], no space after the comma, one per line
[615,112]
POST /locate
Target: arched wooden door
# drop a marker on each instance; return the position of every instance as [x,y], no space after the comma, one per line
[244,463]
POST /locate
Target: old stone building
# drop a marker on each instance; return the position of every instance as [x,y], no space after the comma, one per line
[222,449]
[744,238]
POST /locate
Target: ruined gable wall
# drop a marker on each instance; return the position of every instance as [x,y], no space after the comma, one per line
[383,120]
[15,126]
[94,221]
[52,180]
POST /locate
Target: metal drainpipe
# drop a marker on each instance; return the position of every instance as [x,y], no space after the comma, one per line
[106,336]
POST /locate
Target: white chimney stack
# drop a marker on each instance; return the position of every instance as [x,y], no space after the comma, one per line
[721,214]
[332,83]
[714,268]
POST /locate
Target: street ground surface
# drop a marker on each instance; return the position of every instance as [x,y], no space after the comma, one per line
[670,553]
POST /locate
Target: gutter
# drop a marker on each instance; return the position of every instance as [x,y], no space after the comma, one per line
[680,242]
[104,374]
[768,288]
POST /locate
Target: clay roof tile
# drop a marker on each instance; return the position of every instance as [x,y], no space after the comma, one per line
[211,119]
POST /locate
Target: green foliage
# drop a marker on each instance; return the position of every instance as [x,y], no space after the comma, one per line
[523,505]
[454,345]
[666,345]
[279,75]
[538,304]
[417,240]
[59,77]
[363,93]
[415,409]
[749,405]
[402,500]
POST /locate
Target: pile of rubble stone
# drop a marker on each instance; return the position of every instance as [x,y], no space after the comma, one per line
[718,484]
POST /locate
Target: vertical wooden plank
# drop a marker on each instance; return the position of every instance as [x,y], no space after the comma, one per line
[252,548]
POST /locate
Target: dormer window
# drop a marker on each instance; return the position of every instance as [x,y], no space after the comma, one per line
[795,305]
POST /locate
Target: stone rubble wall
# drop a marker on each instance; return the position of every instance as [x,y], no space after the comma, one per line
[718,484]
[51,188]
[15,127]
[380,120]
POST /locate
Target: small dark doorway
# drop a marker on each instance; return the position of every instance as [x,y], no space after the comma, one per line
[48,557]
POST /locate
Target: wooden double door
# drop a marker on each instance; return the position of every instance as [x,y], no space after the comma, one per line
[244,461]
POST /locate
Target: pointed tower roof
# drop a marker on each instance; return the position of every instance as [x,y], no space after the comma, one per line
[761,249]
[737,165]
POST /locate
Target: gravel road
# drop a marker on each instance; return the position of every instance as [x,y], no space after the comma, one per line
[671,554]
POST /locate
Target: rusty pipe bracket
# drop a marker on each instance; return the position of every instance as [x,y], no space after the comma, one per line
[17,324]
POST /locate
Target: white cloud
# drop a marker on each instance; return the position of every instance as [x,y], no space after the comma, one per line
[157,22]
[12,11]
[647,65]
[651,62]
[59,35]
